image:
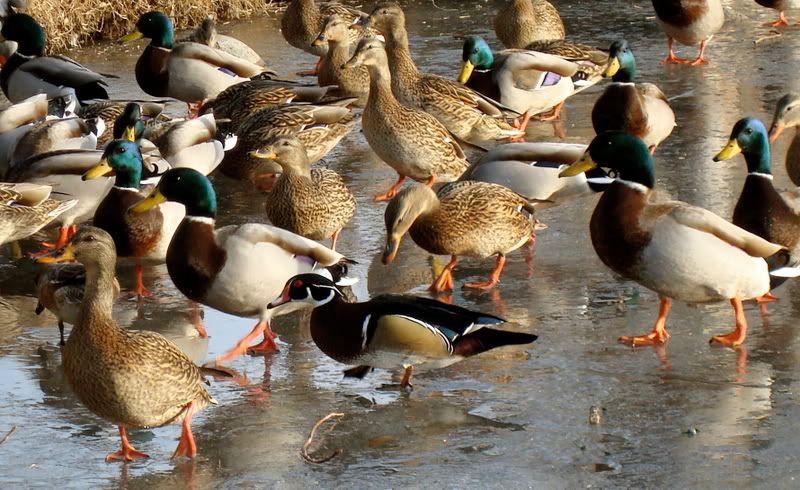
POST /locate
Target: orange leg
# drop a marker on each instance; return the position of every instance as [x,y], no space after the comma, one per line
[64,234]
[781,22]
[140,290]
[430,181]
[193,109]
[243,346]
[671,59]
[521,122]
[197,321]
[739,333]
[311,73]
[334,239]
[445,280]
[701,60]
[392,190]
[405,382]
[186,445]
[127,453]
[494,278]
[553,115]
[659,335]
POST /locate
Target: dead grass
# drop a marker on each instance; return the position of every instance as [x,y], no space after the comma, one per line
[69,23]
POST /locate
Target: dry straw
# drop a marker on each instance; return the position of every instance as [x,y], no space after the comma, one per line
[69,23]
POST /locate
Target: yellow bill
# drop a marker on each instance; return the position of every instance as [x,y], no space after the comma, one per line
[581,166]
[154,199]
[466,71]
[612,68]
[98,170]
[61,255]
[133,36]
[731,150]
[129,133]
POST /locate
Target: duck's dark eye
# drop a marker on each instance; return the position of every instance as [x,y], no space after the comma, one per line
[89,238]
[789,108]
[297,283]
[748,131]
[121,149]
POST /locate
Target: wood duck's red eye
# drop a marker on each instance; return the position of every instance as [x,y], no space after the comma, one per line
[297,283]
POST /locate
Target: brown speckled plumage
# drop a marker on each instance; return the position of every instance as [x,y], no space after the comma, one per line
[520,22]
[25,209]
[351,82]
[303,20]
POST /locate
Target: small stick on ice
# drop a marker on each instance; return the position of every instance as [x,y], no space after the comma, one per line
[8,434]
[310,440]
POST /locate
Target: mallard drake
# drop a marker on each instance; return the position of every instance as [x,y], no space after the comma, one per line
[143,237]
[206,33]
[677,250]
[468,115]
[29,72]
[690,22]
[473,219]
[319,127]
[132,378]
[529,81]
[521,22]
[786,116]
[26,209]
[349,82]
[55,134]
[412,142]
[120,114]
[394,331]
[781,6]
[16,121]
[190,72]
[192,143]
[59,289]
[531,170]
[303,20]
[62,171]
[233,269]
[641,109]
[312,202]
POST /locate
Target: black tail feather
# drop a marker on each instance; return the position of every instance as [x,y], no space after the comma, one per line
[489,338]
[358,372]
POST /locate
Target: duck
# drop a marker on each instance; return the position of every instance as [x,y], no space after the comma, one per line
[761,209]
[689,22]
[16,121]
[679,251]
[206,33]
[237,268]
[303,20]
[193,143]
[190,72]
[143,237]
[639,108]
[530,81]
[468,115]
[55,134]
[29,72]
[781,6]
[414,143]
[531,170]
[785,117]
[26,208]
[521,22]
[350,83]
[59,289]
[319,126]
[120,114]
[134,379]
[466,218]
[312,202]
[394,331]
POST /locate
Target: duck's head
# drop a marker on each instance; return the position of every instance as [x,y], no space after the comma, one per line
[90,246]
[129,124]
[475,54]
[26,32]
[186,186]
[336,29]
[619,153]
[155,26]
[124,159]
[409,204]
[385,17]
[313,289]
[787,115]
[621,63]
[288,152]
[369,52]
[749,136]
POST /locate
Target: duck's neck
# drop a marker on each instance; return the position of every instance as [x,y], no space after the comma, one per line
[404,71]
[129,179]
[380,89]
[98,299]
[301,169]
[338,53]
[759,159]
[165,40]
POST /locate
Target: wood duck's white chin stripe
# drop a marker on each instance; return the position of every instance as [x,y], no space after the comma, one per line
[761,174]
[634,185]
[364,331]
[320,302]
[201,219]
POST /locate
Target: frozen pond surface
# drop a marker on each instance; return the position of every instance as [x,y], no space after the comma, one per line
[685,415]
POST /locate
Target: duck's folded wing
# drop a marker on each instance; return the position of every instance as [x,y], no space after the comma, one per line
[294,244]
[61,70]
[218,58]
[521,59]
[704,220]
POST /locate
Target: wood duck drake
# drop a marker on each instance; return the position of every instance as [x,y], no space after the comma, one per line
[394,331]
[689,22]
[236,268]
[641,109]
[679,251]
[133,379]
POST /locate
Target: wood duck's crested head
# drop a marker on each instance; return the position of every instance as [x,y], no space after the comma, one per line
[313,289]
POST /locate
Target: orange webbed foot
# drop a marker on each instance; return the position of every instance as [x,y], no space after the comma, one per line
[386,196]
[482,284]
[266,346]
[653,338]
[126,455]
[732,339]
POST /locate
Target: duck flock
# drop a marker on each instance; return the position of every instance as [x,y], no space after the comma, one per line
[70,157]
